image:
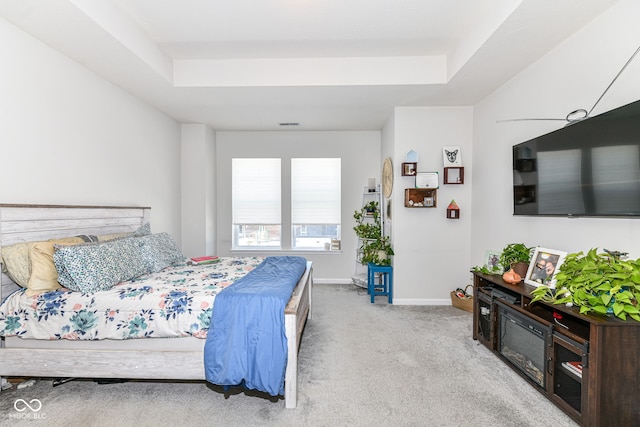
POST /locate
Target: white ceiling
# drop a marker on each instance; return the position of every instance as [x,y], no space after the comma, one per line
[326,64]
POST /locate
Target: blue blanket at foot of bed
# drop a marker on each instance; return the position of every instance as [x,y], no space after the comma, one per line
[247,344]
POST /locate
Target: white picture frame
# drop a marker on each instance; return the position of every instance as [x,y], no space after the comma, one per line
[492,261]
[427,180]
[544,266]
[451,156]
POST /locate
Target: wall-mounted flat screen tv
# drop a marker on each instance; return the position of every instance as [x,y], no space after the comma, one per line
[588,168]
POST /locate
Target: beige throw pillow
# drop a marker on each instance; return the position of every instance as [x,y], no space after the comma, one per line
[15,260]
[44,276]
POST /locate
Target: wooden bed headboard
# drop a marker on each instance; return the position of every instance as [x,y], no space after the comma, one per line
[26,223]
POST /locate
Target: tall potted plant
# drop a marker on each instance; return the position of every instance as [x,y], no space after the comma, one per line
[374,247]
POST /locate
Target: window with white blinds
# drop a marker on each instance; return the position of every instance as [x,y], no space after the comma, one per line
[256,200]
[315,202]
[314,198]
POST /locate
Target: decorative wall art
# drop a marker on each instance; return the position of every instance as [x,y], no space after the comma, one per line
[387,177]
[453,210]
[451,156]
[427,180]
[411,157]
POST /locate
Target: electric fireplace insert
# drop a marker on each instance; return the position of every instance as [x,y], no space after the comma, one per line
[523,342]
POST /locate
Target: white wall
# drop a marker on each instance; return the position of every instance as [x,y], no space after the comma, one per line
[69,137]
[387,150]
[572,76]
[431,251]
[360,154]
[198,185]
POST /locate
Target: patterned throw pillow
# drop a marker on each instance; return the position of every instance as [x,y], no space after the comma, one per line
[159,251]
[98,266]
[143,230]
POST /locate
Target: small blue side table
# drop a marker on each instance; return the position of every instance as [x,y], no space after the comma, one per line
[385,287]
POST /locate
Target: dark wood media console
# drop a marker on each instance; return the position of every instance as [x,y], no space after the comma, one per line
[588,363]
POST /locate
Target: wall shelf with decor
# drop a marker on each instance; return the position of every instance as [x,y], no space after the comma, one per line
[453,210]
[454,175]
[420,197]
[409,168]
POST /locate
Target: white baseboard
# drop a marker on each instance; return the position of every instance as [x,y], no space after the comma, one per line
[397,301]
[332,281]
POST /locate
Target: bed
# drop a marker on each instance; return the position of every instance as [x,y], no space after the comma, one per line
[141,358]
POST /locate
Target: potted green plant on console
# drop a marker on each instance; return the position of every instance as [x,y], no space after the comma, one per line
[596,282]
[374,247]
[516,256]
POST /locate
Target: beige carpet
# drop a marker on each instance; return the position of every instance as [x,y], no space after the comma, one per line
[361,364]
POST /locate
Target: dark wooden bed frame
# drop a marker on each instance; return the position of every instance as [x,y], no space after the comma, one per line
[153,359]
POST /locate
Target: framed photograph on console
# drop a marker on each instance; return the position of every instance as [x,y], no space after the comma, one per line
[492,261]
[543,267]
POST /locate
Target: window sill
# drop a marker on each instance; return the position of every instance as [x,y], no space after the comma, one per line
[286,251]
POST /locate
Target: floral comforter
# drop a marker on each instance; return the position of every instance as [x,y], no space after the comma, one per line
[175,302]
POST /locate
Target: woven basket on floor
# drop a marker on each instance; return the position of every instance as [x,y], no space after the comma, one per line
[465,304]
